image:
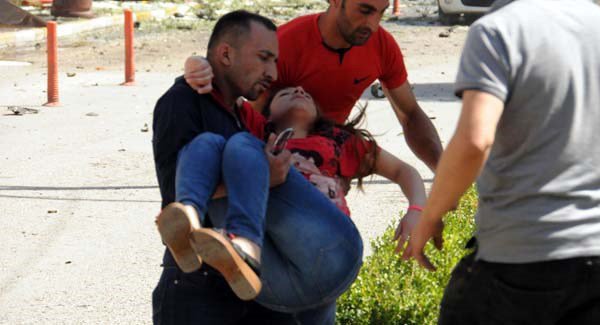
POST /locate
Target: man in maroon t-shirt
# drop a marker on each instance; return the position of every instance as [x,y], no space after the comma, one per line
[335,56]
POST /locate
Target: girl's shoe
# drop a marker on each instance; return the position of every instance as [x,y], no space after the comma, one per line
[175,223]
[239,269]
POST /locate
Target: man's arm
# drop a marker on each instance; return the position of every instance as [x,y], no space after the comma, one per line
[461,163]
[198,74]
[419,132]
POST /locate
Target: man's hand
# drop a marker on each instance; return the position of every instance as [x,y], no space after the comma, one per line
[279,164]
[405,228]
[198,74]
[425,230]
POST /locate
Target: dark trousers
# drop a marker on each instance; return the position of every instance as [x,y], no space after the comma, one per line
[204,297]
[554,292]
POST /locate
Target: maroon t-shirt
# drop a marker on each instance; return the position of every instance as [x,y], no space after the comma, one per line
[324,159]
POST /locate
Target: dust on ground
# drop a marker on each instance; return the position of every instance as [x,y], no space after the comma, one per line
[163,47]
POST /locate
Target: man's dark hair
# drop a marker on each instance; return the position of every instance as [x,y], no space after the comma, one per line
[235,25]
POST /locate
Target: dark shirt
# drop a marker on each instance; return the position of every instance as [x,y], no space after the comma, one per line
[180,115]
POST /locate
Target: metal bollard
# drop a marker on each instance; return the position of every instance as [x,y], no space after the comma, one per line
[52,46]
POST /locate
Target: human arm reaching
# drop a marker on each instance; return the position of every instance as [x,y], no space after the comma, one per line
[461,163]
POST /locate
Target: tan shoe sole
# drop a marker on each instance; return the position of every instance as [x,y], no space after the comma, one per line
[217,251]
[174,226]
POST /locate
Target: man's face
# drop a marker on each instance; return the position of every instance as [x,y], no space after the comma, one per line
[358,19]
[254,66]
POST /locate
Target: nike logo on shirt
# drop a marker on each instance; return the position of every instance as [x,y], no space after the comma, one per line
[357,81]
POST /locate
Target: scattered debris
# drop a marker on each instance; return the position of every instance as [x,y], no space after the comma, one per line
[52,211]
[71,74]
[446,33]
[68,262]
[20,110]
[145,128]
[79,67]
[122,150]
[432,117]
[91,114]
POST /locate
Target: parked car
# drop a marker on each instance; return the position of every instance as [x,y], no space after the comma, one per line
[450,11]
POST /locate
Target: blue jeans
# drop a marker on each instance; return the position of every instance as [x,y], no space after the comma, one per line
[311,251]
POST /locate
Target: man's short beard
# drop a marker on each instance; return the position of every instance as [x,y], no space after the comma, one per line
[350,38]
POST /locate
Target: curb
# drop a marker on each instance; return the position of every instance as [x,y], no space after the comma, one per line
[36,35]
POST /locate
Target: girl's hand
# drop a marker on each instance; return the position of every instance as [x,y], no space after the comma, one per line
[405,228]
[279,165]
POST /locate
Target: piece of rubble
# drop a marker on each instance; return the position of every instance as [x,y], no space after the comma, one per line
[21,110]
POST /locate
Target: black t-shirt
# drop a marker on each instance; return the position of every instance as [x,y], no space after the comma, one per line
[180,115]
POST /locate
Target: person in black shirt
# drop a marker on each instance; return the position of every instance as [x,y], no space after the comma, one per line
[311,252]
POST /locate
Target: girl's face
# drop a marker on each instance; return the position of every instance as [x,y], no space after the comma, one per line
[293,106]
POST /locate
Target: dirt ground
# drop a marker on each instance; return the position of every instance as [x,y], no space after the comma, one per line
[164,49]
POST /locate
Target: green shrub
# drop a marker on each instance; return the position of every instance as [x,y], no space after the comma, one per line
[389,291]
[212,9]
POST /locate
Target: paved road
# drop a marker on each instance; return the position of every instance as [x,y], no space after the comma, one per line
[78,193]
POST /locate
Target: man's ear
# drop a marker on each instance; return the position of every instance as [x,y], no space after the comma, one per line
[225,54]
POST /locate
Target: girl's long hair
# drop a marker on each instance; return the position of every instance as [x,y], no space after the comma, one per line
[323,125]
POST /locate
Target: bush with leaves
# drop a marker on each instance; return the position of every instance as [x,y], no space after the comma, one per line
[281,9]
[390,291]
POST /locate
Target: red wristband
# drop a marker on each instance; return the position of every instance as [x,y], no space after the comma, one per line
[416,208]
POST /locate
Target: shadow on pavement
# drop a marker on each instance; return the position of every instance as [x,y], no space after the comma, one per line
[384,181]
[425,92]
[55,198]
[72,188]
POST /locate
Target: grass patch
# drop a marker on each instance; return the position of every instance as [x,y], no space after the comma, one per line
[389,291]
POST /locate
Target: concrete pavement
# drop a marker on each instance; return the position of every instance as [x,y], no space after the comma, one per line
[17,37]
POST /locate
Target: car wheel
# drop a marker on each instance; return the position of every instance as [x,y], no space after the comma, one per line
[447,19]
[377,91]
